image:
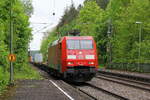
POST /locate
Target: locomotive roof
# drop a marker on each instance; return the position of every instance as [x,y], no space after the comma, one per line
[70,37]
[78,37]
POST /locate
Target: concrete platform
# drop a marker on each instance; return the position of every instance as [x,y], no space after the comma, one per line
[36,90]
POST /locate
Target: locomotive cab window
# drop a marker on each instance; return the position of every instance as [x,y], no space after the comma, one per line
[73,44]
[86,44]
[79,44]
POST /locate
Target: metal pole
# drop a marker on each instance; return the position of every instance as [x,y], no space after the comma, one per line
[140,30]
[11,43]
[139,51]
[109,44]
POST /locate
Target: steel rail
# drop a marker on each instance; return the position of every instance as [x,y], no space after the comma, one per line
[145,80]
[125,79]
[124,82]
[86,93]
[46,69]
[107,92]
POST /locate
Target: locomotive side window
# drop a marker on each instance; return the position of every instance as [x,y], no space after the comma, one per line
[79,44]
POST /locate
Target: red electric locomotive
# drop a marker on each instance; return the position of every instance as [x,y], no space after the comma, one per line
[73,58]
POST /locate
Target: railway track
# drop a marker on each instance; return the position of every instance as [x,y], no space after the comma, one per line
[125,81]
[88,93]
[82,91]
[46,69]
[131,81]
[96,92]
[140,79]
[107,92]
[108,95]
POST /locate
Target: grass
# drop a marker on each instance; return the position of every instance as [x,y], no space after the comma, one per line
[101,66]
[4,78]
[27,72]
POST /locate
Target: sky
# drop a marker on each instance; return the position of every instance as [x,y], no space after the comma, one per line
[43,20]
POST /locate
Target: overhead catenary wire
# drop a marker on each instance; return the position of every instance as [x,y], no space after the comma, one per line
[39,23]
[43,28]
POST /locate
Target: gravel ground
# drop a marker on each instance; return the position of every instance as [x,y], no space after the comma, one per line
[43,90]
[147,75]
[125,82]
[122,90]
[97,94]
[77,95]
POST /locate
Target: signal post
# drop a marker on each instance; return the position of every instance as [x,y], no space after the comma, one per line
[11,56]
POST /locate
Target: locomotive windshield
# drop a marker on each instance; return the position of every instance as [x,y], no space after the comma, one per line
[79,44]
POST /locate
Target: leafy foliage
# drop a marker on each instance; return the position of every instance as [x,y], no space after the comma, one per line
[113,25]
[21,37]
[126,40]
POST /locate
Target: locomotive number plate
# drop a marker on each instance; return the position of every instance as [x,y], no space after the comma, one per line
[80,57]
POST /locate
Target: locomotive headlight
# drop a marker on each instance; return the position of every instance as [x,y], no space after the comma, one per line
[71,57]
[91,63]
[69,63]
[90,57]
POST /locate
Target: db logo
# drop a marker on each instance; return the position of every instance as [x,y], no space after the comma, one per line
[12,57]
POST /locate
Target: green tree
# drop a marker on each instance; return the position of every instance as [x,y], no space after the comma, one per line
[126,29]
[99,17]
[21,37]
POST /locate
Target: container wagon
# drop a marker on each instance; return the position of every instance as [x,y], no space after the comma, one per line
[38,58]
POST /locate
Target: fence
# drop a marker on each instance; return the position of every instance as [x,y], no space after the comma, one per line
[142,67]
